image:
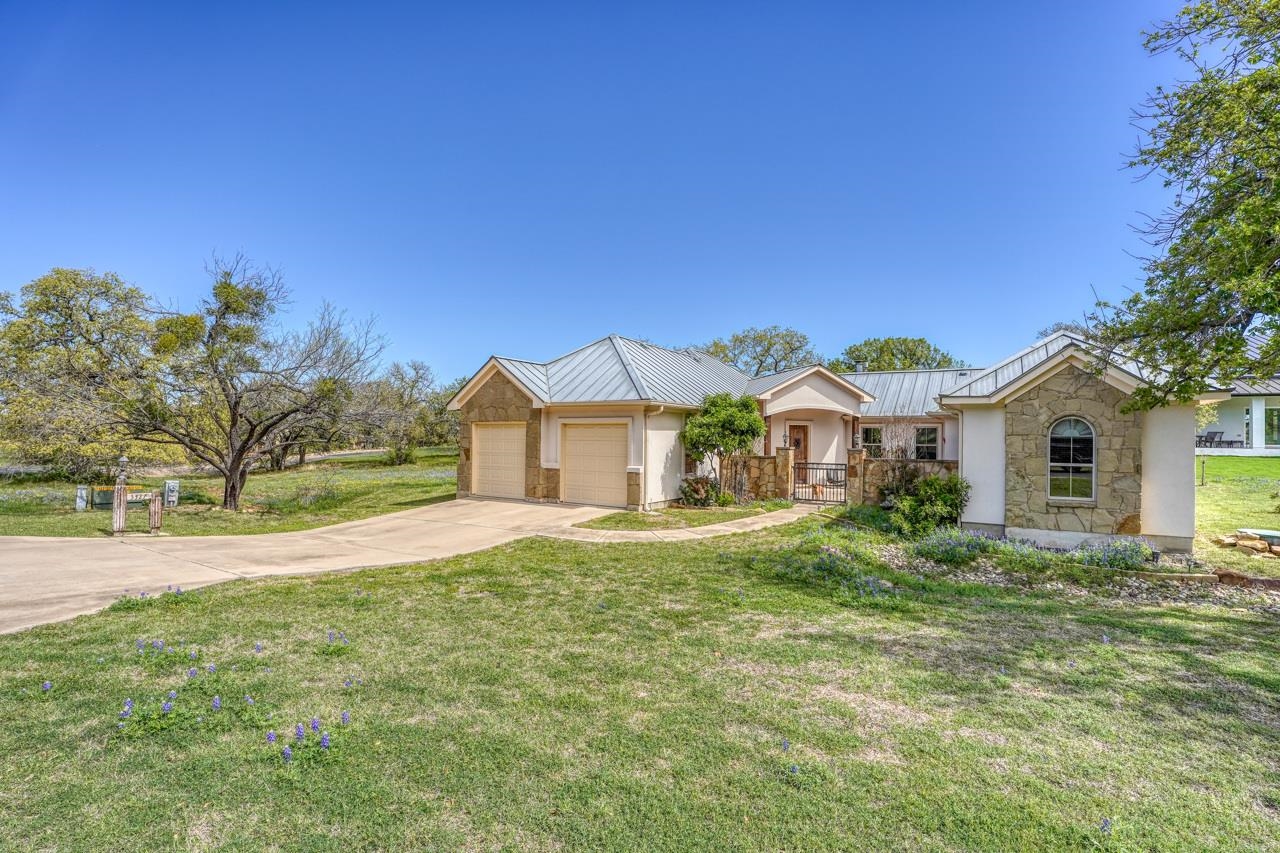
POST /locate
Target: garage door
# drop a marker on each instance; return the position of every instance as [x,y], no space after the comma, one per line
[498,460]
[594,464]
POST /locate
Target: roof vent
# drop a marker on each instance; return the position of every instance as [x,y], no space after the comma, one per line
[859,367]
[962,373]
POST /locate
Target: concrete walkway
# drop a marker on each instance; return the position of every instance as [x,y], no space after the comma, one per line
[49,579]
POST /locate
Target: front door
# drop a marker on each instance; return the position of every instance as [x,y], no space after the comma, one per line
[798,439]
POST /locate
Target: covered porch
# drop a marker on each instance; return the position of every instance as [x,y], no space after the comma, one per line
[1246,426]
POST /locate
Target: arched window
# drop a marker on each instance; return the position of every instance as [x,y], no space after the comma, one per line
[1071,458]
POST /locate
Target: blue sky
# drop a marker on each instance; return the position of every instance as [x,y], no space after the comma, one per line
[523,178]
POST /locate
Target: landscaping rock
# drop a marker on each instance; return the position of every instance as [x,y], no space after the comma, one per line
[1255,545]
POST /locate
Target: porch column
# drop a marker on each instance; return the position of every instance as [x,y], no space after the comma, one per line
[786,460]
[1258,422]
[853,476]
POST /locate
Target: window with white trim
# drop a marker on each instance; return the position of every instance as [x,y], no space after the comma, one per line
[1071,460]
[926,442]
[873,442]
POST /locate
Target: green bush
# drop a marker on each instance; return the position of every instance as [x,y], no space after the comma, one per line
[725,499]
[936,500]
[1125,553]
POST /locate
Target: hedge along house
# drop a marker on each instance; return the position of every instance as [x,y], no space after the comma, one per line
[1042,436]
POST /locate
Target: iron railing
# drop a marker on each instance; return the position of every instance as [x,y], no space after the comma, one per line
[820,482]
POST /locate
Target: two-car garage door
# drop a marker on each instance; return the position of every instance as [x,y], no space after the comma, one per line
[593,464]
[497,452]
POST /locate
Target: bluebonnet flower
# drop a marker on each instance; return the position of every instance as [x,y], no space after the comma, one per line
[347,683]
[128,703]
[191,673]
[1071,664]
[193,654]
[287,753]
[178,591]
[248,700]
[1106,826]
[173,694]
[169,587]
[1105,639]
[331,635]
[138,643]
[217,703]
[257,647]
[346,717]
[267,670]
[166,707]
[126,713]
[794,769]
[211,668]
[315,724]
[119,725]
[299,731]
[786,745]
[157,644]
[271,737]
[324,741]
[142,594]
[47,686]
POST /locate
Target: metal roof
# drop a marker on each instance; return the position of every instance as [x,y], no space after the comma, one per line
[1249,386]
[991,380]
[618,369]
[760,384]
[907,393]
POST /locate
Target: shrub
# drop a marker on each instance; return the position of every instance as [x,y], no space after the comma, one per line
[725,499]
[954,546]
[699,491]
[935,501]
[1124,553]
[1015,555]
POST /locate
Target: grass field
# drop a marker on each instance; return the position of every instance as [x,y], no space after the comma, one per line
[319,493]
[1239,491]
[760,692]
[670,518]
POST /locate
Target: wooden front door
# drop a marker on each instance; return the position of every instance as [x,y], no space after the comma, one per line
[798,438]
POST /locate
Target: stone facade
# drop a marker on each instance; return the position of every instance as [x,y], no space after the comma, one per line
[1117,503]
[759,476]
[868,477]
[498,399]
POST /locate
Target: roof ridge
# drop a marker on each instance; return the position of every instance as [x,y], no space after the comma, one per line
[632,373]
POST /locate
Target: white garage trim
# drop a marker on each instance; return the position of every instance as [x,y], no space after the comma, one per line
[497,459]
[593,463]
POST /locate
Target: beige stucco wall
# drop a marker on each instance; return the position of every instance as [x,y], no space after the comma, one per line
[663,458]
[1117,503]
[982,464]
[1169,476]
[812,392]
[829,433]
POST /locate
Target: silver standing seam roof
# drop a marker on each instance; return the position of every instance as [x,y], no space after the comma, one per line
[907,393]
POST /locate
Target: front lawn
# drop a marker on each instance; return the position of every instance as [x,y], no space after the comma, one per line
[784,689]
[674,517]
[1239,491]
[343,488]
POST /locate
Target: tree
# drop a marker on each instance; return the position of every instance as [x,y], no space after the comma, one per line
[441,428]
[893,354]
[725,425]
[222,383]
[402,396]
[761,351]
[1215,140]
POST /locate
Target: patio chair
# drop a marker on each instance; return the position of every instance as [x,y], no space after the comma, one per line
[1213,439]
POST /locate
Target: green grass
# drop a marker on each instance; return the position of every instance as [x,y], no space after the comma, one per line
[674,517]
[760,692]
[1239,491]
[325,492]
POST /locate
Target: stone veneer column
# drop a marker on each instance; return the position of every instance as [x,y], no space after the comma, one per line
[853,476]
[786,471]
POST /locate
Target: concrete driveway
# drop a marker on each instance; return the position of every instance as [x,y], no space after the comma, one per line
[47,579]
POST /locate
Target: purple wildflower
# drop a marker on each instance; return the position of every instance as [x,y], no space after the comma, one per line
[139,643]
[331,635]
[1105,639]
[126,713]
[346,718]
[178,591]
[248,700]
[257,647]
[157,644]
[217,703]
[287,754]
[271,737]
[324,741]
[299,731]
[193,654]
[786,745]
[142,594]
[1106,826]
[794,769]
[47,686]
[211,668]
[119,725]
[315,724]
[347,683]
[191,673]
[128,703]
[166,707]
[173,694]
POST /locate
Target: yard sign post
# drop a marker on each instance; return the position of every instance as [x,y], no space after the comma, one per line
[119,500]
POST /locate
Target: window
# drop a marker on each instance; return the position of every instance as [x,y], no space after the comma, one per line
[1071,460]
[926,442]
[872,442]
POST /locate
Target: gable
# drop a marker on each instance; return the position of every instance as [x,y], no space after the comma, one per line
[813,391]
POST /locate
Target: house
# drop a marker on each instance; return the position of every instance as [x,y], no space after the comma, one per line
[1248,423]
[1042,437]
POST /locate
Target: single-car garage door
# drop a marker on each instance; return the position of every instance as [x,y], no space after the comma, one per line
[497,454]
[594,464]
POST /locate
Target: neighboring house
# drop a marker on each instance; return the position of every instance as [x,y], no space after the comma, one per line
[1042,436]
[1248,423]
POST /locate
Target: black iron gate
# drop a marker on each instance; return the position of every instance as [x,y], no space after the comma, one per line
[820,482]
